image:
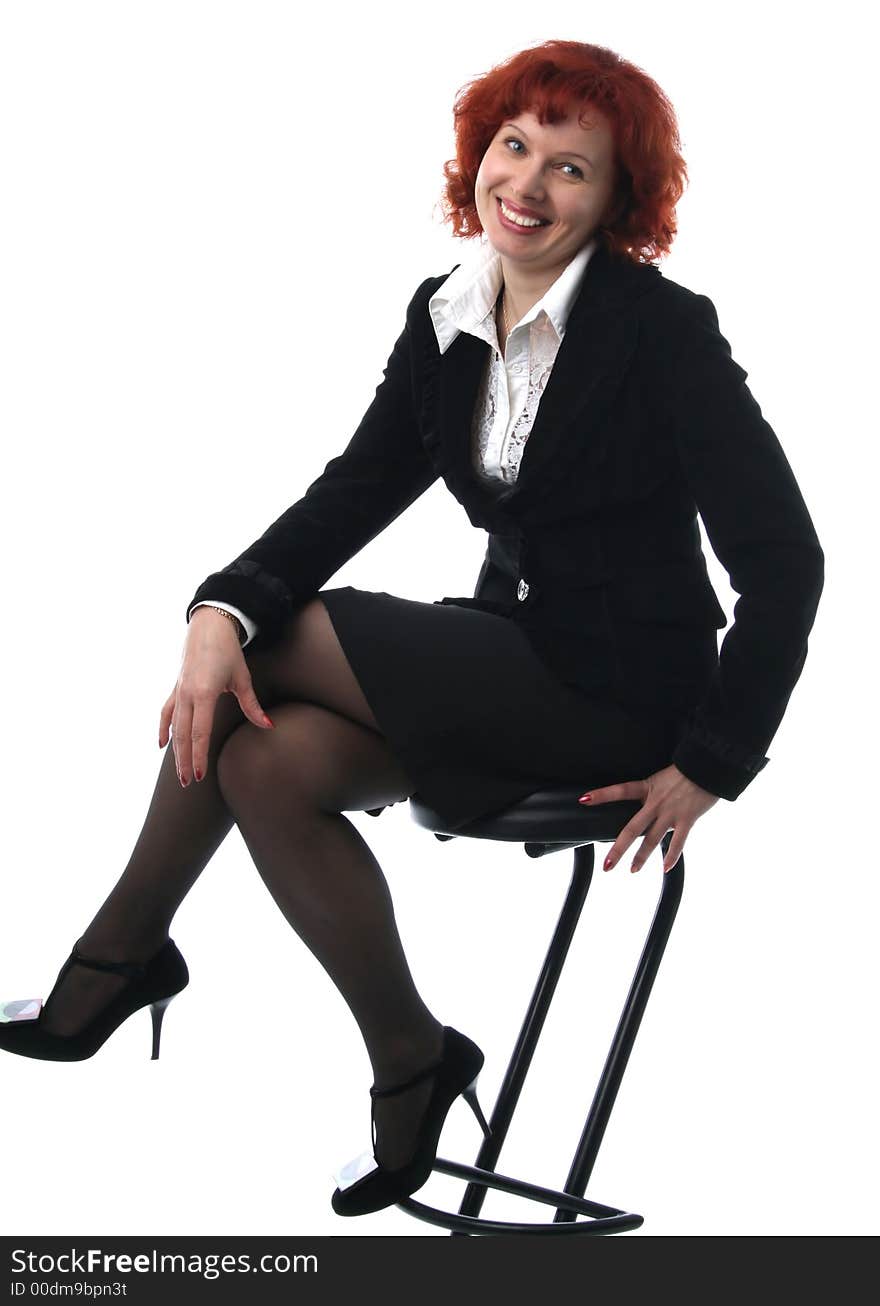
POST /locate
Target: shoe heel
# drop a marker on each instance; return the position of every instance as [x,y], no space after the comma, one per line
[157,1011]
[470,1096]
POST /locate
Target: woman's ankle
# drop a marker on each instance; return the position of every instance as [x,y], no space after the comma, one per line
[408,1053]
[139,944]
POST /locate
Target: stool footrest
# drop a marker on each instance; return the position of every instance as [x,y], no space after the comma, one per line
[603,1219]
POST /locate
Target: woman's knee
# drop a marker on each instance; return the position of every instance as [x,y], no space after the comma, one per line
[247,758]
[316,757]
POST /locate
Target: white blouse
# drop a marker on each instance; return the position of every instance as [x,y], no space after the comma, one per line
[511,387]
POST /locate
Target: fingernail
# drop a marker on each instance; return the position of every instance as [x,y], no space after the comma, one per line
[269,720]
[198,774]
[608,863]
[585,798]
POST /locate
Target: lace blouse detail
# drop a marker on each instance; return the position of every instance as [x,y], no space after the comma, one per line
[504,416]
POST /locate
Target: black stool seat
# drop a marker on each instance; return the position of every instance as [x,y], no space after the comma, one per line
[550,820]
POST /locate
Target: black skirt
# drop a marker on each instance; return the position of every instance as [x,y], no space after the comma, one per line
[472,713]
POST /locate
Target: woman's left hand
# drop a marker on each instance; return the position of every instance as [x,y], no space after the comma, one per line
[670,802]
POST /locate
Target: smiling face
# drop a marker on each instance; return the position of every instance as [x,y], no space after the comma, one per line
[563,173]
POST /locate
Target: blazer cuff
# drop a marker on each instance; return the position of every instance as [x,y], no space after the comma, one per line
[716,765]
[245,586]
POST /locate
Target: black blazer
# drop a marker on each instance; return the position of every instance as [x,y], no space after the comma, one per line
[645,421]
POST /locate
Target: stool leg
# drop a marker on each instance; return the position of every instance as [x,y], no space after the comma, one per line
[521,1059]
[627,1028]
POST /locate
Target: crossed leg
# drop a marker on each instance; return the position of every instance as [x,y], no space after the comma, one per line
[184,826]
[286,789]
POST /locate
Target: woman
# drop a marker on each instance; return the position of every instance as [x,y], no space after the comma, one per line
[583,409]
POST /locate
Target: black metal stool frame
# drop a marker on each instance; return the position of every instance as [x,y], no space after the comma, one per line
[555,811]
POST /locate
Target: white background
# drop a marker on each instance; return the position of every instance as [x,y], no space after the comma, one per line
[208,211]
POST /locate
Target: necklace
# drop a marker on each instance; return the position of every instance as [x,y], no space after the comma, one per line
[504,314]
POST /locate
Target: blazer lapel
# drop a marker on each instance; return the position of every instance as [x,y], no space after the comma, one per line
[599,341]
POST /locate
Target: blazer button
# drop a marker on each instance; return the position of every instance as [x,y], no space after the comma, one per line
[522,590]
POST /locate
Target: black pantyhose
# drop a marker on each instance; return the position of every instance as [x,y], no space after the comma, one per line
[286,789]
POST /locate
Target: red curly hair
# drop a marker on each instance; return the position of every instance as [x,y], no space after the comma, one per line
[556,80]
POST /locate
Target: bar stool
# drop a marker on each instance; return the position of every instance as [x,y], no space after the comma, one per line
[546,822]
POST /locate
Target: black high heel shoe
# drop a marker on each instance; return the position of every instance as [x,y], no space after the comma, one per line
[155,982]
[364,1184]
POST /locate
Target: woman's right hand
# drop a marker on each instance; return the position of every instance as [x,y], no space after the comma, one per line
[213,664]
